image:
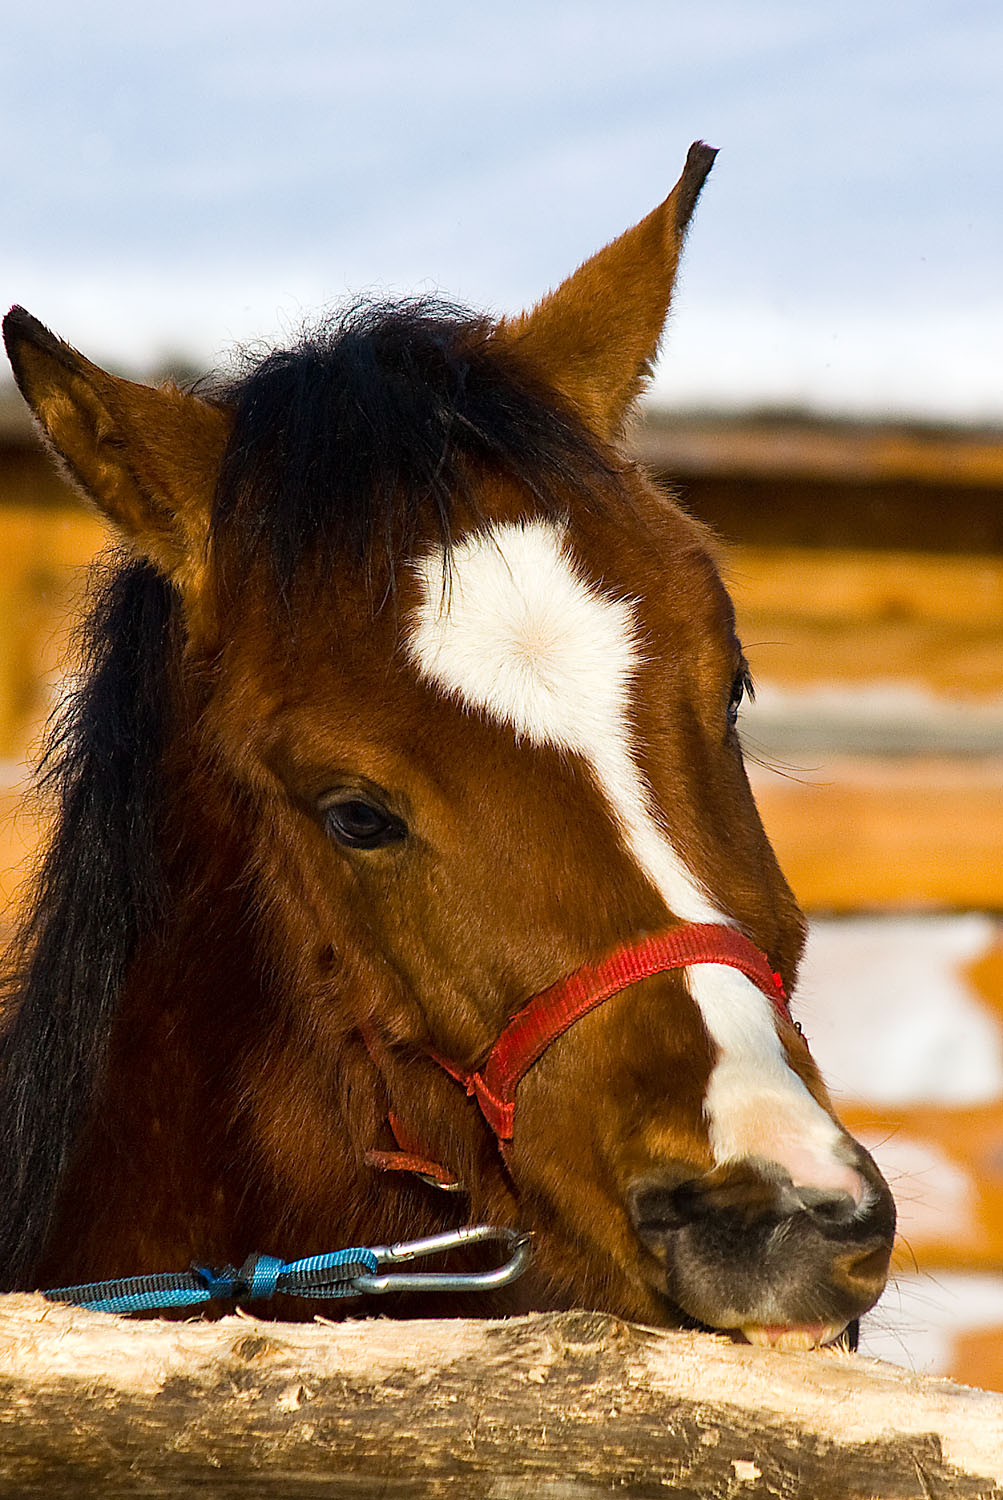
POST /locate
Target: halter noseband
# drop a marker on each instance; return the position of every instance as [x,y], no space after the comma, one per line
[545,1017]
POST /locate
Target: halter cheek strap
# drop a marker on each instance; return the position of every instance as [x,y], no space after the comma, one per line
[552,1012]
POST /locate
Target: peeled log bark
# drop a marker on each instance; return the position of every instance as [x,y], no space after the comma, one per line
[555,1406]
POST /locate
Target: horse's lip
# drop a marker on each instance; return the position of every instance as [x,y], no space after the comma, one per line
[792,1337]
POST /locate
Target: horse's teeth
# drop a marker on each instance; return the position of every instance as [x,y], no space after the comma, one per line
[793,1339]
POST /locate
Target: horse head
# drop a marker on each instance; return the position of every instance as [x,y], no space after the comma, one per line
[457,685]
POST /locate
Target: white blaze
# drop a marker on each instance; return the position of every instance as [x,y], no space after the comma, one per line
[513,630]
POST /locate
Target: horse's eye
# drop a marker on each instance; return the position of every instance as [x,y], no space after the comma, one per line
[362,825]
[740,688]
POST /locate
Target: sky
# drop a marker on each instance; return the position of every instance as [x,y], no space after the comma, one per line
[180,180]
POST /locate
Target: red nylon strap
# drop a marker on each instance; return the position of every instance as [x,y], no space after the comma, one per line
[409,1157]
[549,1014]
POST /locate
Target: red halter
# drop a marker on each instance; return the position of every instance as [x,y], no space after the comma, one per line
[549,1014]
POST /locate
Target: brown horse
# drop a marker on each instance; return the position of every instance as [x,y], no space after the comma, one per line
[414,698]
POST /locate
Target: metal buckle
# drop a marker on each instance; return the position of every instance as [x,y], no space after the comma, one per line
[436,1182]
[447,1281]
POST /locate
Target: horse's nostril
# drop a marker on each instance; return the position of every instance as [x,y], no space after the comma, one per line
[871,1265]
[657,1211]
[828,1207]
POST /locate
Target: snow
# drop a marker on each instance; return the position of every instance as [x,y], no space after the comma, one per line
[892,1021]
[889,1015]
[890,717]
[919,1317]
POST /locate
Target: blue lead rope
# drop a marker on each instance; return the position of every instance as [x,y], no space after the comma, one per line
[341,1273]
[260,1276]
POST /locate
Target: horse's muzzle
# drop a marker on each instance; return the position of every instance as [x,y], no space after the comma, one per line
[742,1247]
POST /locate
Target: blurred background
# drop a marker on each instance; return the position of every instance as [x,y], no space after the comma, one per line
[180,182]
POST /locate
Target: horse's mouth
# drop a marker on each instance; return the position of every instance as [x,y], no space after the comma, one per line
[792,1338]
[785,1337]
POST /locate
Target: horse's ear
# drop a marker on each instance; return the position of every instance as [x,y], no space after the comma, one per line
[147,458]
[595,338]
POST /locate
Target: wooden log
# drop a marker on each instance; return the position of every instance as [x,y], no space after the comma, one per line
[43,558]
[851,616]
[558,1406]
[811,583]
[870,453]
[862,832]
[832,484]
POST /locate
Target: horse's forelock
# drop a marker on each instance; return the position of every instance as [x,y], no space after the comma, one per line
[368,436]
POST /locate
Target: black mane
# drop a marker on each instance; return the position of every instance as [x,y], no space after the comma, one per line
[347,445]
[374,426]
[97,892]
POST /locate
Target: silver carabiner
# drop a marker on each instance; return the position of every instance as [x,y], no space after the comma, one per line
[447,1281]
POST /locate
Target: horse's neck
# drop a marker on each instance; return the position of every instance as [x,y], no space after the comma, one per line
[150,1173]
[220,1125]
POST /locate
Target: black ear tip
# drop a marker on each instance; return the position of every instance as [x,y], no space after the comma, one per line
[19,324]
[700,157]
[20,327]
[23,336]
[16,327]
[12,324]
[699,160]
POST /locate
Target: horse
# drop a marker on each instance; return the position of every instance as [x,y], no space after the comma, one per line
[404,840]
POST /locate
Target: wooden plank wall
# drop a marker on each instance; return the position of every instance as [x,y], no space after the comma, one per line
[865,564]
[918,830]
[855,830]
[867,568]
